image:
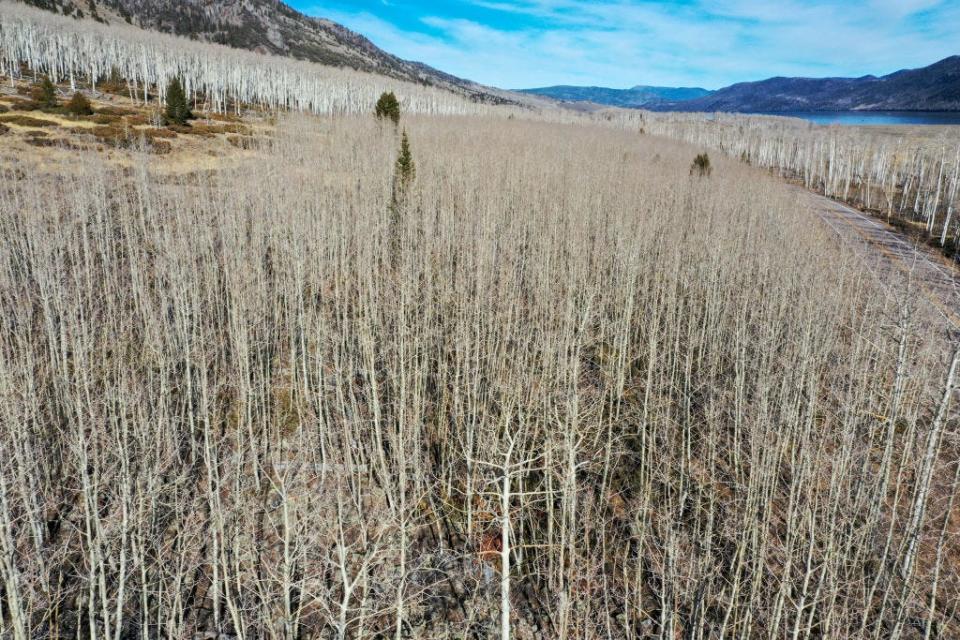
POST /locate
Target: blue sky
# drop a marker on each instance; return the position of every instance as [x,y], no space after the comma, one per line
[621,43]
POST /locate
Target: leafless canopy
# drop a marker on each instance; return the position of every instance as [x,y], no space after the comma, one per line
[567,389]
[547,385]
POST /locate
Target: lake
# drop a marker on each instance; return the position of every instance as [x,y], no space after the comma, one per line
[876,117]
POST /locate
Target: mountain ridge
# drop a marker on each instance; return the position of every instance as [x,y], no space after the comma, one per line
[935,87]
[640,96]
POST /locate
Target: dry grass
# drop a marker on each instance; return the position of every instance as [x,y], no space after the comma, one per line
[210,130]
[285,394]
[118,131]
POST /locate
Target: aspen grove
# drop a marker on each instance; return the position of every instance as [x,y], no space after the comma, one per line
[899,178]
[573,393]
[475,376]
[918,181]
[86,52]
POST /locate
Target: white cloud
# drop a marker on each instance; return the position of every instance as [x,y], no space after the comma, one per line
[623,43]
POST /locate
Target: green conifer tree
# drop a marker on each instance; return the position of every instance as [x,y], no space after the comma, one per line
[404,173]
[701,165]
[45,94]
[388,107]
[178,108]
[406,170]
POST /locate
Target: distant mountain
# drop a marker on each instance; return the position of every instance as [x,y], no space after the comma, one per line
[635,97]
[933,88]
[268,26]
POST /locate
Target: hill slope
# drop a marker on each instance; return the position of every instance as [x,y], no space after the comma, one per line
[268,26]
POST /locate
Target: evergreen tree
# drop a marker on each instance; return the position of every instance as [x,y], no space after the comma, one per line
[403,174]
[388,107]
[178,109]
[701,165]
[45,94]
[406,171]
[79,105]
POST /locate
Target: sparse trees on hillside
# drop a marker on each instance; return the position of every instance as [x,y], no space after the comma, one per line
[69,50]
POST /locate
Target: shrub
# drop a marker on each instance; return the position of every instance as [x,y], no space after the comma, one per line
[26,121]
[123,137]
[23,104]
[45,94]
[178,109]
[114,83]
[160,146]
[79,105]
[154,134]
[242,142]
[115,111]
[223,117]
[40,139]
[701,165]
[138,119]
[103,118]
[388,107]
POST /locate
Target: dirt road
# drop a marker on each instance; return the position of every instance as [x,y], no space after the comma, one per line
[894,258]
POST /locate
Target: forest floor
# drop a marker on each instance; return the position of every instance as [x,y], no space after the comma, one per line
[43,140]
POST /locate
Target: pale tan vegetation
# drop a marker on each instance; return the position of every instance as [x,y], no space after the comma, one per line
[910,178]
[908,175]
[519,374]
[559,388]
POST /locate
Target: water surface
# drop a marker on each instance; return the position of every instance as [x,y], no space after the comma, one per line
[876,117]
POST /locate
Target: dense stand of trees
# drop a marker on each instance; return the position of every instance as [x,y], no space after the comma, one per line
[908,178]
[899,177]
[547,384]
[572,393]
